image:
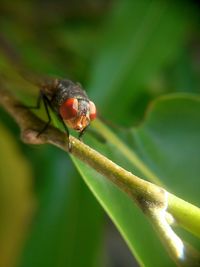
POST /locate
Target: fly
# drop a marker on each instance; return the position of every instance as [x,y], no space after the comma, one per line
[70,103]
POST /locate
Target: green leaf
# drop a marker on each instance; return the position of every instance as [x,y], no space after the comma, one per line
[141,37]
[17,200]
[66,213]
[168,144]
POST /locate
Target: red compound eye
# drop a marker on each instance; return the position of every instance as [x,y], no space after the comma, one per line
[69,109]
[93,112]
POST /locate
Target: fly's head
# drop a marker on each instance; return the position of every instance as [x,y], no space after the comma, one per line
[77,113]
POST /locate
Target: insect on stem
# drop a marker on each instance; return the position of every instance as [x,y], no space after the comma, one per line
[69,102]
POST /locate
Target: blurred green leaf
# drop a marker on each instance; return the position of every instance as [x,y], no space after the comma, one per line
[168,143]
[184,76]
[140,38]
[68,217]
[17,200]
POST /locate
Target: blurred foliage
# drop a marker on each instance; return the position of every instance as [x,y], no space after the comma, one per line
[17,200]
[126,53]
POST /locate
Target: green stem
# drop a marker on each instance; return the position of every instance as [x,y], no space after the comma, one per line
[126,151]
[186,214]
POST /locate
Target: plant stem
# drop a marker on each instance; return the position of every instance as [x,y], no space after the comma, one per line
[186,215]
[149,197]
[126,151]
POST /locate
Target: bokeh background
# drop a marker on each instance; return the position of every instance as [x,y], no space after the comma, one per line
[126,54]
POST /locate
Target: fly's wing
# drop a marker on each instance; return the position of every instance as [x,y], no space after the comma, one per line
[10,66]
[12,80]
[18,79]
[46,84]
[15,75]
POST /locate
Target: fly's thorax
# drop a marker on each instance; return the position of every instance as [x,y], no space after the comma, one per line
[67,89]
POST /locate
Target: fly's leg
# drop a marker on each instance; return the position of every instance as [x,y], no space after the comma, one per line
[41,97]
[46,105]
[82,133]
[67,132]
[38,103]
[64,125]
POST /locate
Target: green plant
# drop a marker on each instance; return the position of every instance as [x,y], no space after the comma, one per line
[143,47]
